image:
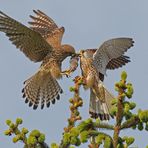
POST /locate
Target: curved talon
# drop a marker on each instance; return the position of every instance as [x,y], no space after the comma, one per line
[66,73]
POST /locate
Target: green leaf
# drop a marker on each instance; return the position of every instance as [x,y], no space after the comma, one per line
[25,130]
[41,138]
[85,125]
[113,111]
[114,101]
[132,105]
[19,121]
[130,140]
[143,115]
[7,132]
[108,143]
[84,136]
[54,145]
[12,125]
[124,75]
[66,138]
[71,89]
[99,138]
[74,132]
[16,138]
[74,141]
[130,90]
[35,133]
[140,126]
[32,140]
[8,122]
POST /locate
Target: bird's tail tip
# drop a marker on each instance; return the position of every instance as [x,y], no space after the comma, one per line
[98,108]
[101,112]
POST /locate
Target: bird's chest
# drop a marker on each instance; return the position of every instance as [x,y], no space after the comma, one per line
[52,58]
[89,71]
[52,64]
[86,66]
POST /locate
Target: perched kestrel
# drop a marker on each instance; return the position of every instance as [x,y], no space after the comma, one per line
[94,63]
[40,42]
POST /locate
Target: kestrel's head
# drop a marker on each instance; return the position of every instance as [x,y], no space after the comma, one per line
[68,50]
[86,53]
[81,53]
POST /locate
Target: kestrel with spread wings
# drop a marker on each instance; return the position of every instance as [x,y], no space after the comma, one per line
[40,43]
[94,63]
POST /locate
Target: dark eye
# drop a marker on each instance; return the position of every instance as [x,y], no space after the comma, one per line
[83,51]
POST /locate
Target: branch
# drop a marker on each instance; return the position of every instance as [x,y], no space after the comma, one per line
[103,126]
[76,102]
[120,87]
[130,122]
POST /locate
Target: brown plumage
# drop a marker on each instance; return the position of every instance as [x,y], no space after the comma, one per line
[40,42]
[94,63]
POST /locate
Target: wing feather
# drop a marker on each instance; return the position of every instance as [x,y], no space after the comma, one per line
[31,43]
[118,62]
[112,50]
[44,25]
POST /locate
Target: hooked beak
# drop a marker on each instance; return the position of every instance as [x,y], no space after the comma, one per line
[75,55]
[81,53]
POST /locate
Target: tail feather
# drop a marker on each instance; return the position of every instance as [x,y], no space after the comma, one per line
[41,88]
[99,109]
[108,97]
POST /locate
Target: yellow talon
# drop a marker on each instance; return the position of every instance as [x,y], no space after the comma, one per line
[66,73]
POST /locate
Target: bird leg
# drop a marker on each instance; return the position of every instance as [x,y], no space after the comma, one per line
[73,65]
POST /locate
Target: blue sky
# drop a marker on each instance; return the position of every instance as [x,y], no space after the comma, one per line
[87,24]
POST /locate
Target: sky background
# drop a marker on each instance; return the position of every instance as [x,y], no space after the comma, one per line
[88,24]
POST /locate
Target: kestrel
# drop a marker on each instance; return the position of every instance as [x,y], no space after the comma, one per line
[40,43]
[94,63]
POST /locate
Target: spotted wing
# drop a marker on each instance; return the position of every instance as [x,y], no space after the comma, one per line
[111,50]
[47,28]
[31,43]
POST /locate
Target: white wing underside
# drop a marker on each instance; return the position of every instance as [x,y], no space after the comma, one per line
[109,50]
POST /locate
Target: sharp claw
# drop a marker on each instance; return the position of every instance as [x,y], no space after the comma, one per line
[66,73]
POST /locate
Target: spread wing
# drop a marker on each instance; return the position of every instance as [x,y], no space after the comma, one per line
[31,43]
[113,63]
[47,28]
[112,51]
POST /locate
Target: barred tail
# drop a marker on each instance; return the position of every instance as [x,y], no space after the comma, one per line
[99,109]
[41,88]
